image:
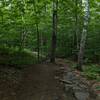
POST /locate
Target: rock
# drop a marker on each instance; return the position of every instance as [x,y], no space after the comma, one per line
[81,95]
[81,92]
[77,88]
[83,86]
[68,87]
[70,76]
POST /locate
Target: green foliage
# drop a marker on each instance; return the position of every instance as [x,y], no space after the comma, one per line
[92,72]
[18,19]
[15,57]
[98,88]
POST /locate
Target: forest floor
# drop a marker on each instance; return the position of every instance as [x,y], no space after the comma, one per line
[35,82]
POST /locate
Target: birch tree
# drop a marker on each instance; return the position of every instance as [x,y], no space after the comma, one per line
[84,34]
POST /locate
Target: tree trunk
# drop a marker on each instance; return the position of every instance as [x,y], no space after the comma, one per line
[54,33]
[23,34]
[38,41]
[76,25]
[23,38]
[84,35]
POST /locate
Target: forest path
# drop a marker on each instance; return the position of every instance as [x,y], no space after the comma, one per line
[38,82]
[45,82]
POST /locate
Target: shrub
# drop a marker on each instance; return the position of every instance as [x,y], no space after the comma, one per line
[15,57]
[92,71]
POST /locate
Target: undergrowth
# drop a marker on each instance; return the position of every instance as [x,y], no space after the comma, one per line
[16,57]
[90,71]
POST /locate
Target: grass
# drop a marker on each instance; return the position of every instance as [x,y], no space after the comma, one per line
[15,57]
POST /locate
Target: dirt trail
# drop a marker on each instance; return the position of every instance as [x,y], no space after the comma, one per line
[45,82]
[38,83]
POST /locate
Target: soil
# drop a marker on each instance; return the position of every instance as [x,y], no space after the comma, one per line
[43,82]
[37,82]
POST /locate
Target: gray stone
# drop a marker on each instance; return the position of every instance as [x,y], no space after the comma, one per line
[82,95]
[77,88]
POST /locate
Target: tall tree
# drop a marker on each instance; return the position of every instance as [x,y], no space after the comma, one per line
[84,34]
[54,32]
[76,24]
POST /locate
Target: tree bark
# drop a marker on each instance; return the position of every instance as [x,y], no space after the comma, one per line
[38,41]
[23,34]
[84,35]
[54,33]
[76,24]
[23,38]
